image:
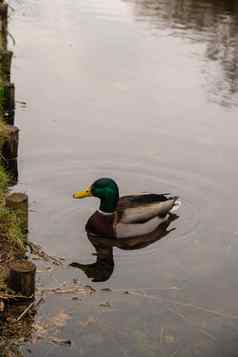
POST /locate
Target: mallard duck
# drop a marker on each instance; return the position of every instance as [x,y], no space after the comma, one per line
[127,216]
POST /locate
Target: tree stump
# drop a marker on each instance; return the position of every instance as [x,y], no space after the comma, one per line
[22,278]
[18,202]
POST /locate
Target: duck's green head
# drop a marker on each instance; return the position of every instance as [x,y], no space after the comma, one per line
[106,190]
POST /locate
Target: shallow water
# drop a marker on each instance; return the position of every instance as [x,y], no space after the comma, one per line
[145,92]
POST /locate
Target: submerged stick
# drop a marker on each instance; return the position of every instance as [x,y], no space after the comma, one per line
[38,251]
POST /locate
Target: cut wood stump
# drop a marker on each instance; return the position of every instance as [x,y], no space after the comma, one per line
[22,278]
[18,202]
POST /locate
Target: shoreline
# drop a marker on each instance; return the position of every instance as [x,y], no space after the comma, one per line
[13,225]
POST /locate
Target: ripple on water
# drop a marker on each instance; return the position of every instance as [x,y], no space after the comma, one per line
[52,190]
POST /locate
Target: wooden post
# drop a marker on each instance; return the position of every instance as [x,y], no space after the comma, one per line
[3,38]
[9,150]
[18,202]
[5,64]
[3,16]
[13,138]
[22,278]
[7,98]
[9,117]
[10,146]
[12,169]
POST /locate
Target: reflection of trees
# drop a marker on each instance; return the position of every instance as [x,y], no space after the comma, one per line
[212,21]
[222,49]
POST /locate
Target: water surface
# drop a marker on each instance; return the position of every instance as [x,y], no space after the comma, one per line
[145,92]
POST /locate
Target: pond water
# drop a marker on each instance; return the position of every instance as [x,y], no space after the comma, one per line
[145,92]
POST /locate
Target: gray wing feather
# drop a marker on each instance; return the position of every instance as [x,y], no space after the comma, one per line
[141,208]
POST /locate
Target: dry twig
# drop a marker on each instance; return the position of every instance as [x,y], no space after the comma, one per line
[38,251]
[29,307]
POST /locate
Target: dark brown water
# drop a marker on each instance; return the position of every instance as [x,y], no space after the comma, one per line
[145,92]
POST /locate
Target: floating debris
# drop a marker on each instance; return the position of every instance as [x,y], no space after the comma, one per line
[39,252]
[60,319]
[75,298]
[70,288]
[45,329]
[106,304]
[90,288]
[60,341]
[11,297]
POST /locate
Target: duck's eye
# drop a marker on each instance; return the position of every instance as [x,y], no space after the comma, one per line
[92,190]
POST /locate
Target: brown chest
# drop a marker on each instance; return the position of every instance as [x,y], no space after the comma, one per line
[100,225]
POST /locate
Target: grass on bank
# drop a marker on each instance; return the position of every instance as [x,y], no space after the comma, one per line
[12,239]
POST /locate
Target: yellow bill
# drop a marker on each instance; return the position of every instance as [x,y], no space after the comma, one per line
[83,194]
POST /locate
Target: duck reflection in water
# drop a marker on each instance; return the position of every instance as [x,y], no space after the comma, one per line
[103,268]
